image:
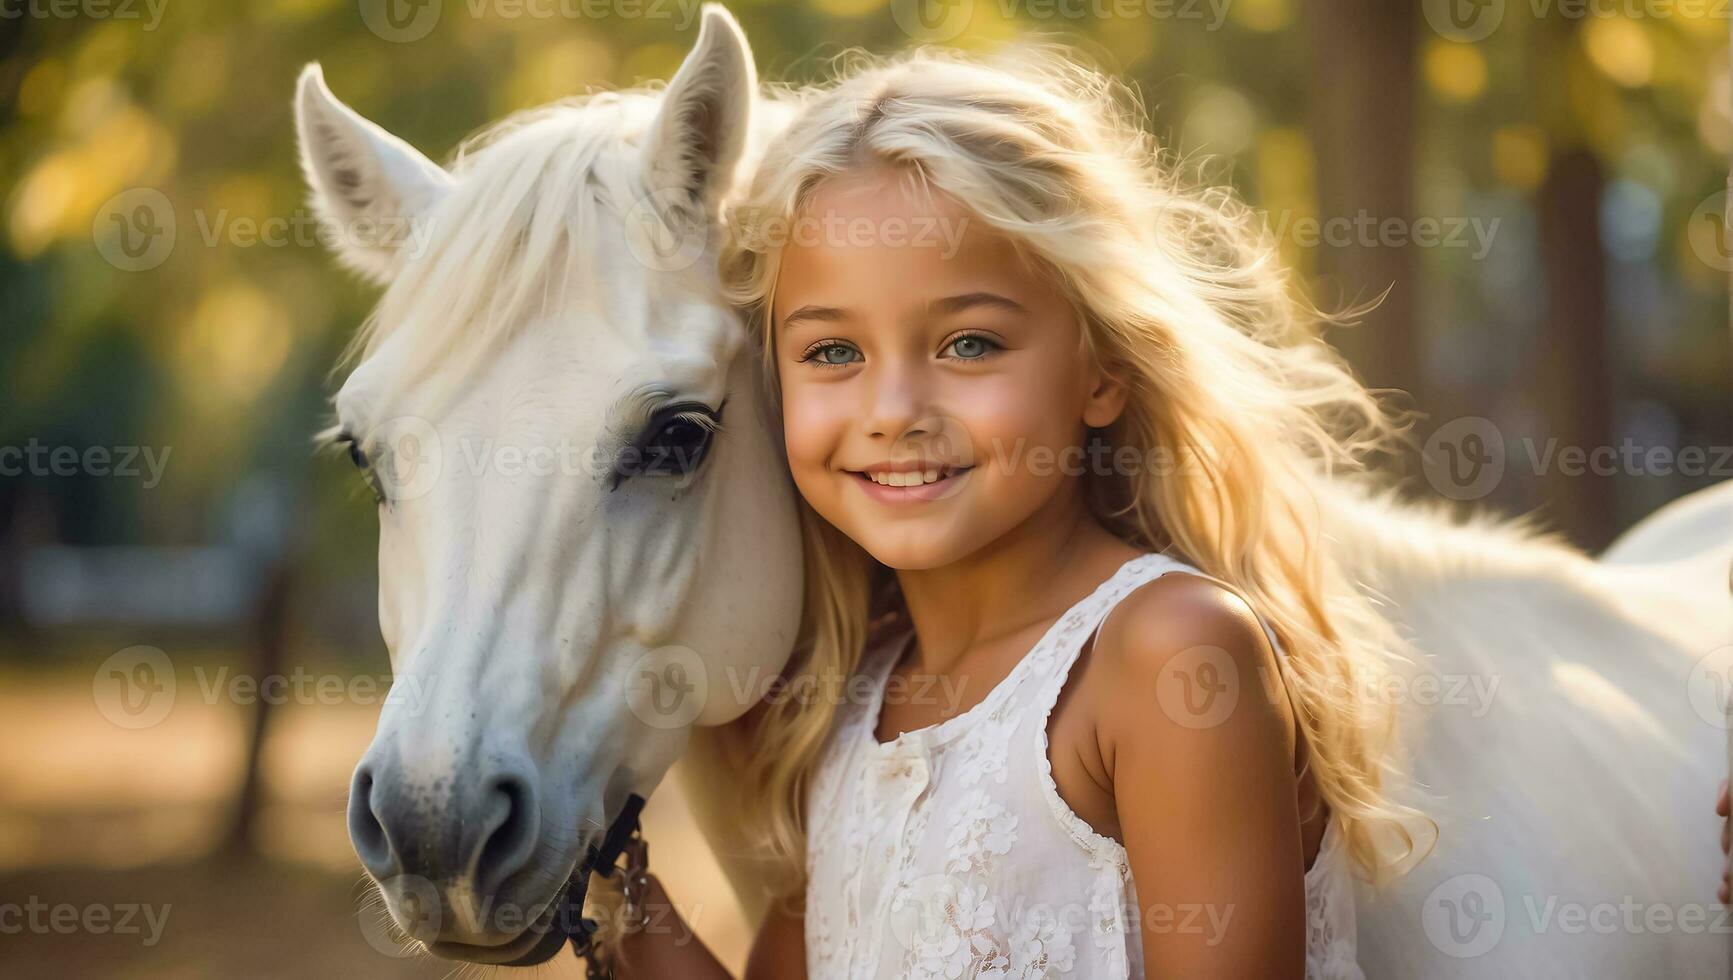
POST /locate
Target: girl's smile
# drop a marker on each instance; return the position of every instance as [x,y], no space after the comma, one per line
[915,482]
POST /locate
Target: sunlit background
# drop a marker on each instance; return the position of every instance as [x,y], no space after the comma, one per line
[1539,187]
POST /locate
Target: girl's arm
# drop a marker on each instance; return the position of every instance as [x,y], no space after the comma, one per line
[667,946]
[1724,808]
[1200,752]
[780,949]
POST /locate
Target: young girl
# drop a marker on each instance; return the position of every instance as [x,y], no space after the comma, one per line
[1055,420]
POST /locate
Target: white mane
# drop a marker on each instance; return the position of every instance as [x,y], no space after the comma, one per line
[518,227]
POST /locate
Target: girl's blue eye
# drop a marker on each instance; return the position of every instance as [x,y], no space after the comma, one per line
[973,347]
[830,354]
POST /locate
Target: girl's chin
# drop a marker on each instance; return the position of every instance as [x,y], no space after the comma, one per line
[917,548]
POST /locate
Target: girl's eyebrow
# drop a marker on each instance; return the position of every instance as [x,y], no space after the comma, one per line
[947,306]
[817,314]
[956,304]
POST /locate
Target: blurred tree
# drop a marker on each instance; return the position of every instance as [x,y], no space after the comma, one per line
[1315,106]
[1362,120]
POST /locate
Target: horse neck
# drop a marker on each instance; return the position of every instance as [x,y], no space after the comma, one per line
[1406,551]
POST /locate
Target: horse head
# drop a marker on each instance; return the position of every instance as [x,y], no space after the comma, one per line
[587,535]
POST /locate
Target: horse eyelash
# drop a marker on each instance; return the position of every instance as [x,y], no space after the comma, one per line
[344,441]
[699,414]
[704,420]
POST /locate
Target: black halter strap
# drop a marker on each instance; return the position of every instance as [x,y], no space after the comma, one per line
[602,860]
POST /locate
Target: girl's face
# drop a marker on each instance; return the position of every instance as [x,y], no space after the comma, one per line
[935,394]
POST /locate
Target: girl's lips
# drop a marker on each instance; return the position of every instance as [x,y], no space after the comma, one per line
[942,487]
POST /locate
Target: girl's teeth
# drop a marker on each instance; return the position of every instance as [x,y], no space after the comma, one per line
[909,479]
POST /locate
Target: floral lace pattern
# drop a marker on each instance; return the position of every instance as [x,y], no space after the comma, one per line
[948,852]
[980,830]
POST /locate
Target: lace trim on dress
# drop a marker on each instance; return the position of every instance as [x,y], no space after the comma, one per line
[1086,836]
[1043,652]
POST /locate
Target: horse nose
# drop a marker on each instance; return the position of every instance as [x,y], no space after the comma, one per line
[480,837]
[508,831]
[366,831]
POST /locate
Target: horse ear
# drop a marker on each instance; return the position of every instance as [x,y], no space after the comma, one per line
[700,131]
[366,182]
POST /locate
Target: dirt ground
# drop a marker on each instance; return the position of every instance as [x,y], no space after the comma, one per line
[104,831]
[256,920]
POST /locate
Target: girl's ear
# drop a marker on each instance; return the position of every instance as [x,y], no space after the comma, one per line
[1106,400]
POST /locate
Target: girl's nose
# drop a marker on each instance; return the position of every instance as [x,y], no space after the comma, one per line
[898,405]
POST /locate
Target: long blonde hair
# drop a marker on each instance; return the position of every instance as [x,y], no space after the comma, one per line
[1182,297]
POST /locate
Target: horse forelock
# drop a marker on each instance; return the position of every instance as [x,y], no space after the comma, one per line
[514,237]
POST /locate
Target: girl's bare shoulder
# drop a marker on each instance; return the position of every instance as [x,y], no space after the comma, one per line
[1177,611]
[1171,642]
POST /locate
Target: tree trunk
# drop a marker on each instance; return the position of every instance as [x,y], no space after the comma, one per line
[1574,391]
[1364,78]
[1573,385]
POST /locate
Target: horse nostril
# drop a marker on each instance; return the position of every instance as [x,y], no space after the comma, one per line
[371,842]
[479,838]
[515,820]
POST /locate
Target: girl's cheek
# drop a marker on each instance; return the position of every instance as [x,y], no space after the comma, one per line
[811,428]
[1006,422]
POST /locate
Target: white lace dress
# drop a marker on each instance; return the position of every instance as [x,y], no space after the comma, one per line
[948,852]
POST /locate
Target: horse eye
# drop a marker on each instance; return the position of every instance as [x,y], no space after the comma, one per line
[679,439]
[362,463]
[351,448]
[678,445]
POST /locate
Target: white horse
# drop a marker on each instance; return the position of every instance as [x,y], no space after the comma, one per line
[540,306]
[1570,735]
[581,483]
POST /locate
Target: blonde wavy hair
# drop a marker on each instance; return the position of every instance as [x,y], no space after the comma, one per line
[1181,296]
